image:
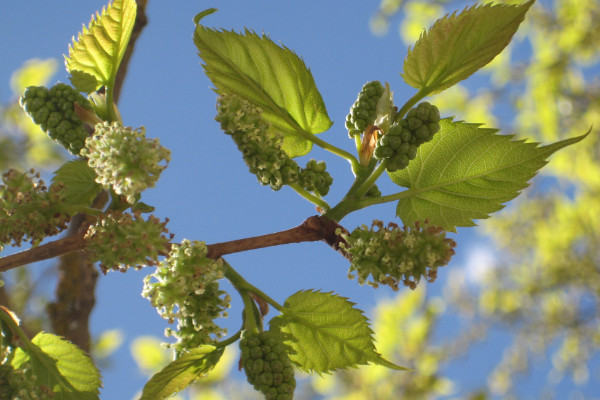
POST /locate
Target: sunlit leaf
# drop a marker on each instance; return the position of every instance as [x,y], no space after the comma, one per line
[326,333]
[273,78]
[459,44]
[60,366]
[80,187]
[182,372]
[97,52]
[467,172]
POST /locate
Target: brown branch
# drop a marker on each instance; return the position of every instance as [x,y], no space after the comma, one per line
[75,292]
[313,229]
[46,251]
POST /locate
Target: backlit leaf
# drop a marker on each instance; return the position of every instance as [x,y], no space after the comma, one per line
[467,172]
[273,78]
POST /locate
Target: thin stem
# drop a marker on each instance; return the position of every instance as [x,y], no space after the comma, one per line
[383,199]
[308,196]
[229,340]
[244,286]
[372,179]
[412,101]
[331,148]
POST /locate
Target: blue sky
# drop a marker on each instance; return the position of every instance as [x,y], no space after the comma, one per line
[207,192]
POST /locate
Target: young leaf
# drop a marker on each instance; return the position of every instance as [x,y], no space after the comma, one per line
[326,333]
[60,366]
[272,77]
[95,56]
[182,372]
[458,45]
[467,172]
[80,182]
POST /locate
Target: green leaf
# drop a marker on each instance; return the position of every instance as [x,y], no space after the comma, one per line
[273,78]
[99,48]
[326,333]
[61,366]
[80,182]
[182,372]
[458,45]
[467,172]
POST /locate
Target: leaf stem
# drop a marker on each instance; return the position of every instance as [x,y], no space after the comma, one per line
[243,286]
[308,196]
[412,101]
[329,147]
[229,340]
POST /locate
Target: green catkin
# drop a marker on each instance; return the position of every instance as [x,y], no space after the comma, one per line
[315,178]
[390,255]
[364,110]
[260,148]
[267,365]
[121,240]
[28,209]
[185,287]
[54,111]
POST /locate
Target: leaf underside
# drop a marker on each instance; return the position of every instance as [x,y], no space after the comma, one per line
[95,55]
[325,333]
[61,366]
[79,181]
[182,372]
[459,44]
[467,172]
[273,78]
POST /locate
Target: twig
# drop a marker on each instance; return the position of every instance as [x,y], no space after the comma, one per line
[46,251]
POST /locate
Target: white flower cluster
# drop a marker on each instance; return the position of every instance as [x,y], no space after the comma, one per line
[185,288]
[124,159]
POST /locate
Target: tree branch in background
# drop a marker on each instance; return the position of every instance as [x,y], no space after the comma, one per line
[75,292]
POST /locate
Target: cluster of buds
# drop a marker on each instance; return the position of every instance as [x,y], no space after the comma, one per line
[124,159]
[28,210]
[121,240]
[315,178]
[364,110]
[400,143]
[390,255]
[260,148]
[267,365]
[185,287]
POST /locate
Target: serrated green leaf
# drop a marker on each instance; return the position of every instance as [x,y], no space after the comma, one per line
[99,48]
[459,44]
[467,172]
[60,366]
[326,333]
[273,78]
[182,372]
[79,181]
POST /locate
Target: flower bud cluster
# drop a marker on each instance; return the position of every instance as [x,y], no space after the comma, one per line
[315,178]
[364,110]
[28,210]
[260,148]
[54,111]
[185,287]
[267,365]
[400,143]
[121,240]
[390,255]
[21,384]
[124,159]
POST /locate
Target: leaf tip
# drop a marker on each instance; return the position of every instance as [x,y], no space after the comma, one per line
[203,14]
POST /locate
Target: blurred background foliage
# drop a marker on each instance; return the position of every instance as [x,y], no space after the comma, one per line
[541,298]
